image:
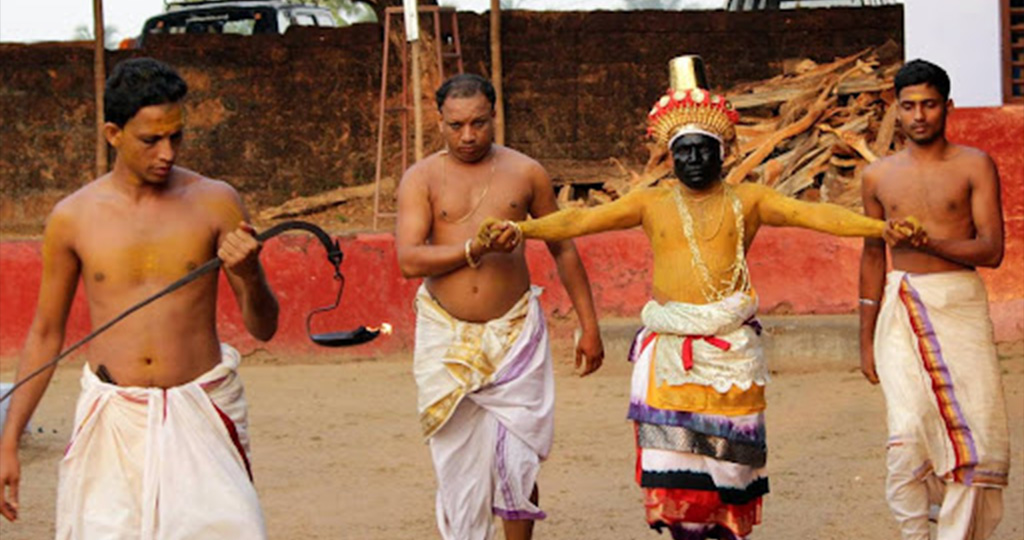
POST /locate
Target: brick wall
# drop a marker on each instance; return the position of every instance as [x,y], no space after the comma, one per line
[279,116]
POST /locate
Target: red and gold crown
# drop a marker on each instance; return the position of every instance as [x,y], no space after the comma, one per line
[688,108]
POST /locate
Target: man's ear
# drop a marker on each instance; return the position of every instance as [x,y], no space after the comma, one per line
[949,105]
[729,149]
[113,133]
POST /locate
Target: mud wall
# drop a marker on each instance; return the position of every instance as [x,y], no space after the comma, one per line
[288,115]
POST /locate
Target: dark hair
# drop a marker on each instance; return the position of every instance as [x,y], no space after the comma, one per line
[138,83]
[922,72]
[465,85]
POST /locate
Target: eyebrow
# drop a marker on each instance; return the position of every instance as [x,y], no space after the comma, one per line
[160,135]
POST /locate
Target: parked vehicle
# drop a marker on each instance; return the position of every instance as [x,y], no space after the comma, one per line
[241,17]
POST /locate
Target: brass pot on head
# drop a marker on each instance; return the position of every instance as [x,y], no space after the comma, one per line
[687,72]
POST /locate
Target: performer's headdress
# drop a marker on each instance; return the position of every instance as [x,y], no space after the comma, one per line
[688,107]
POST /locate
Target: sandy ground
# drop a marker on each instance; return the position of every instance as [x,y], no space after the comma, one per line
[337,454]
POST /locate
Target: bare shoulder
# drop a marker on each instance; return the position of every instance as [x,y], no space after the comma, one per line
[652,193]
[880,167]
[217,199]
[751,192]
[67,212]
[649,198]
[71,208]
[519,163]
[197,184]
[970,157]
[513,157]
[751,189]
[420,173]
[885,170]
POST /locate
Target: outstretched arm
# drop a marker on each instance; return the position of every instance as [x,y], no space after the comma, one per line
[623,213]
[778,210]
[61,269]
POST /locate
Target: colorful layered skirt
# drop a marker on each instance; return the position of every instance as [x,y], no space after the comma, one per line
[697,401]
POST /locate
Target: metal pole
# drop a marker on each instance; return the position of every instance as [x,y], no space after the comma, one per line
[412,34]
[417,101]
[99,80]
[499,104]
[380,120]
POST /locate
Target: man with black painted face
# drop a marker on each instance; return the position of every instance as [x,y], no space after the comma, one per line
[697,395]
[696,160]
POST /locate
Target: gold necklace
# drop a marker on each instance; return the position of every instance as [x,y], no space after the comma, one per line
[479,201]
[703,236]
[739,280]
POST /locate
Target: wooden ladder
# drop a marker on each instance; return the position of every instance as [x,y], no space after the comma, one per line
[453,53]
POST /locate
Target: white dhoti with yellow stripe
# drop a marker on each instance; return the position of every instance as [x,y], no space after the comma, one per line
[155,463]
[948,436]
[486,404]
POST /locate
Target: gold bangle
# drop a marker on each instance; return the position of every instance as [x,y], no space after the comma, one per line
[519,232]
[469,254]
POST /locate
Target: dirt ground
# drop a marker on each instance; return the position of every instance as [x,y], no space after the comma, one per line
[337,454]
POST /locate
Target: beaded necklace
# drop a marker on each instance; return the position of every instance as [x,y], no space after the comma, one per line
[739,280]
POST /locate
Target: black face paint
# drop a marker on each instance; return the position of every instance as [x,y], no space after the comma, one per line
[697,160]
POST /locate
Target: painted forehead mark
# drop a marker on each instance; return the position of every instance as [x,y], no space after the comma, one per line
[917,96]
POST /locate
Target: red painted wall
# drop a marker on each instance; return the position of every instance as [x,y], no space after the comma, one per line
[793,271]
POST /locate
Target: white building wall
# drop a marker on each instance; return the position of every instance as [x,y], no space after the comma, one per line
[964,37]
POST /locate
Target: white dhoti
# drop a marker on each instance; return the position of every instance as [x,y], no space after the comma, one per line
[153,463]
[486,404]
[948,435]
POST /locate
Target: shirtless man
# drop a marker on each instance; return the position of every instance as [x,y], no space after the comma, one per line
[482,362]
[925,329]
[697,395]
[160,444]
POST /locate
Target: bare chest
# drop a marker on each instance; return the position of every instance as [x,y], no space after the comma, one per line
[465,202]
[126,250]
[932,195]
[697,234]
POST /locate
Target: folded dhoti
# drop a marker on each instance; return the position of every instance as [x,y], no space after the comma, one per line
[937,364]
[697,397]
[156,463]
[486,400]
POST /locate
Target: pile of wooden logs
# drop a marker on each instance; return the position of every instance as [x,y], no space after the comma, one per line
[808,133]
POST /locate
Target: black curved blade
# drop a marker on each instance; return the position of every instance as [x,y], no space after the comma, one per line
[345,339]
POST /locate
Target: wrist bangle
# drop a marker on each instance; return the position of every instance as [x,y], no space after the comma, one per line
[469,254]
[868,302]
[518,231]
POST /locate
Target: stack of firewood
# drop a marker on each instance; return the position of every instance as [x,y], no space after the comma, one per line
[808,133]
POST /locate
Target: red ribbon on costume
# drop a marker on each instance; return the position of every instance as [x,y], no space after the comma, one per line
[687,351]
[647,341]
[688,348]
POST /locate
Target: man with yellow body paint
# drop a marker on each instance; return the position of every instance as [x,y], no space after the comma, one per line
[697,390]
